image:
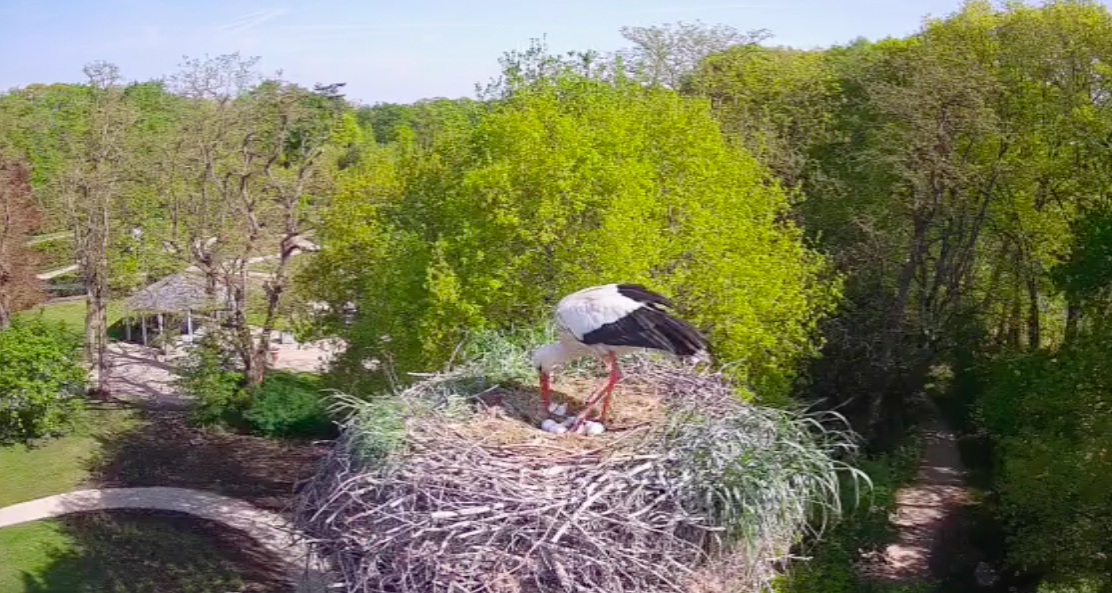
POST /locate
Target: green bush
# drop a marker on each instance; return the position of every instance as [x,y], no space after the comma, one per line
[289,405]
[207,375]
[41,381]
[1090,584]
[1049,414]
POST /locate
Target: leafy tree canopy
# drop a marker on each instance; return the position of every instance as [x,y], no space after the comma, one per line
[568,182]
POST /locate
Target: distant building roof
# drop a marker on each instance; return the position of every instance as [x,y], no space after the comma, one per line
[175,294]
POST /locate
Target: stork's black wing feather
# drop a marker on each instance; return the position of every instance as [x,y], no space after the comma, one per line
[636,292]
[649,327]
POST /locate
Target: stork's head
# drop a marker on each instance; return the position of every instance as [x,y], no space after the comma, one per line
[546,358]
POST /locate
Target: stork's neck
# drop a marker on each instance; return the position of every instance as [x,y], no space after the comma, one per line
[557,353]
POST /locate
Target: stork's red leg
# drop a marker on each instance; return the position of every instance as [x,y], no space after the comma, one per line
[545,388]
[603,393]
[588,404]
[615,375]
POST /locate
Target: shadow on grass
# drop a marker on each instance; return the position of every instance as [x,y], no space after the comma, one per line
[164,450]
[154,551]
[141,551]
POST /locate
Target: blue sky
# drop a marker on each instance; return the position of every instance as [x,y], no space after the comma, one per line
[397,50]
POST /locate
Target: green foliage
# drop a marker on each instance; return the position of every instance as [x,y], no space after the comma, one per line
[866,525]
[504,356]
[285,405]
[55,254]
[779,102]
[1084,584]
[289,405]
[1087,275]
[1050,416]
[571,182]
[207,375]
[384,119]
[41,381]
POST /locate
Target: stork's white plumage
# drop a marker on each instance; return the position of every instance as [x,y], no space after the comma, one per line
[606,321]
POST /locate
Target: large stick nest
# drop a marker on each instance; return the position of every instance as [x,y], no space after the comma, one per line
[451,488]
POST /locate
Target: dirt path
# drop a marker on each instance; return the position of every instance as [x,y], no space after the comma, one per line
[266,527]
[923,507]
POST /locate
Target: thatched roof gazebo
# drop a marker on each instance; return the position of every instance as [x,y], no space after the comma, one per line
[179,294]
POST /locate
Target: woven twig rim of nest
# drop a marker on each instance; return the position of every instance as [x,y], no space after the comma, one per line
[442,513]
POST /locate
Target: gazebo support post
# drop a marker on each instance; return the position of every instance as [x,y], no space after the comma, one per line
[189,323]
[127,328]
[161,335]
[143,326]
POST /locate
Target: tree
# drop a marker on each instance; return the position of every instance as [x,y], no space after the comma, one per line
[569,182]
[242,180]
[91,184]
[19,287]
[301,130]
[1049,416]
[40,381]
[778,102]
[667,54]
[38,122]
[383,119]
[943,173]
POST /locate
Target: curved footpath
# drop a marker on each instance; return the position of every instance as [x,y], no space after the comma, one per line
[269,529]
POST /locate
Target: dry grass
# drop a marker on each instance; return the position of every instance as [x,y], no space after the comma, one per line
[509,416]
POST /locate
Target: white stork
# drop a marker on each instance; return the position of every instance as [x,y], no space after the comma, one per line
[609,320]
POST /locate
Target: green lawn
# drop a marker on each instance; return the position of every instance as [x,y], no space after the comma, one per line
[57,465]
[28,549]
[132,552]
[118,551]
[73,313]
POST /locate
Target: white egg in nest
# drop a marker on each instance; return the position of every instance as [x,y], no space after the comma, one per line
[549,424]
[595,428]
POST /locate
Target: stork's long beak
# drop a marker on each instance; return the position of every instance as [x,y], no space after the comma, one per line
[546,389]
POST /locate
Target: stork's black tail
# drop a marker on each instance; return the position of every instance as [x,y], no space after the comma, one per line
[681,337]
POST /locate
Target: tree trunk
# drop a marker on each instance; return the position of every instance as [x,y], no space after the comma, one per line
[888,373]
[274,289]
[254,367]
[1073,319]
[96,337]
[1034,337]
[1015,323]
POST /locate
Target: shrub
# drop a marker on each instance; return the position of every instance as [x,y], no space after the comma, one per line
[1088,584]
[1049,414]
[207,375]
[41,381]
[289,405]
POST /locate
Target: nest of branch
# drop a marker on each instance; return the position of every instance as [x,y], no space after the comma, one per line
[451,488]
